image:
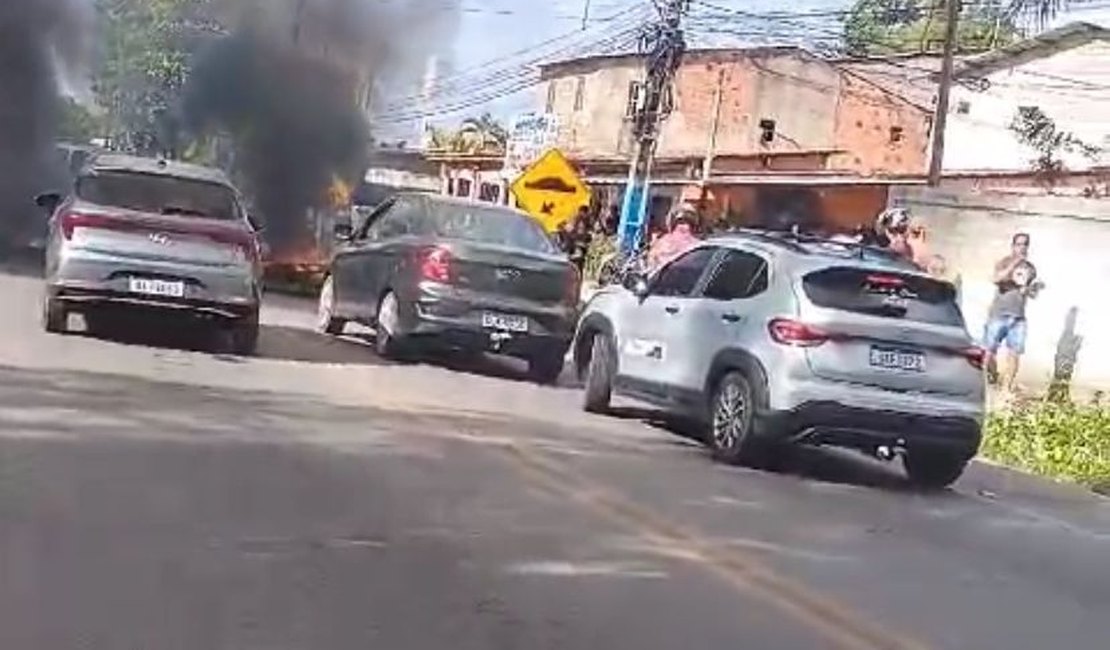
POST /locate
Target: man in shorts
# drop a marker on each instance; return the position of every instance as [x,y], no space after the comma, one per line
[1016,280]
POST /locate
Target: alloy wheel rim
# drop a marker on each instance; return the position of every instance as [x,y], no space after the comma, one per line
[324,310]
[387,315]
[728,417]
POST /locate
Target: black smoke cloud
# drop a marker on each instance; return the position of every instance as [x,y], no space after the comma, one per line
[286,86]
[39,40]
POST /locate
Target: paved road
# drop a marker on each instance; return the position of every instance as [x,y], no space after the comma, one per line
[156,497]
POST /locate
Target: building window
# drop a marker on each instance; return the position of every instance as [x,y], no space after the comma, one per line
[462,187]
[579,93]
[896,134]
[635,99]
[963,107]
[766,131]
[551,96]
[489,192]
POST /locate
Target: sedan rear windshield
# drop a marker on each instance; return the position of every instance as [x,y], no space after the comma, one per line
[489,225]
[880,293]
[165,195]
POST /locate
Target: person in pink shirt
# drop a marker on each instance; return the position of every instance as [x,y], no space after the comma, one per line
[679,238]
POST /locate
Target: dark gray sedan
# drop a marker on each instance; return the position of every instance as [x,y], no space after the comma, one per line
[426,269]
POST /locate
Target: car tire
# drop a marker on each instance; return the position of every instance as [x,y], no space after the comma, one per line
[546,367]
[55,316]
[387,343]
[933,470]
[244,337]
[326,320]
[731,431]
[600,372]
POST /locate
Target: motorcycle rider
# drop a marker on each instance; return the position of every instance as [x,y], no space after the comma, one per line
[892,232]
[680,236]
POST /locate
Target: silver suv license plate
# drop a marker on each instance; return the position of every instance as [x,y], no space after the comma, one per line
[904,360]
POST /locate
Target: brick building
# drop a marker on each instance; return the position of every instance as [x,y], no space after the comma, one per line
[761,131]
[753,102]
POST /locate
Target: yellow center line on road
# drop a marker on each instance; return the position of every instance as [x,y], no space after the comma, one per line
[743,571]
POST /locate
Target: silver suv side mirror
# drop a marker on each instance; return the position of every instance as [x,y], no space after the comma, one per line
[637,284]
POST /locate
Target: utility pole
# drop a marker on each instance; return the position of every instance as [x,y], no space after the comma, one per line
[944,91]
[663,43]
[585,15]
[711,147]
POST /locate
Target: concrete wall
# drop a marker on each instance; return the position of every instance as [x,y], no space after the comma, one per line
[1072,88]
[1070,244]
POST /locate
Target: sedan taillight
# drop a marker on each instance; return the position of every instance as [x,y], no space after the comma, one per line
[435,265]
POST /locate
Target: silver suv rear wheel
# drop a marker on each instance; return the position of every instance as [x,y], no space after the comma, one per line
[730,420]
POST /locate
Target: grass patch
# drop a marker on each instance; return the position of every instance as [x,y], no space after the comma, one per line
[1062,440]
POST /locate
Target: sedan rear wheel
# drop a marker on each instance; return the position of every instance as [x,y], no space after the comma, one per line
[547,366]
[55,316]
[326,320]
[387,343]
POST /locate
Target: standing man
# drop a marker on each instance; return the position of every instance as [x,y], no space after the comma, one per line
[1016,280]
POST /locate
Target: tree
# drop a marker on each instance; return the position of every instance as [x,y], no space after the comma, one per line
[879,27]
[1038,131]
[476,135]
[145,62]
[484,134]
[78,124]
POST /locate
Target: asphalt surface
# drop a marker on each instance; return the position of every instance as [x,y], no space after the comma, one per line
[156,495]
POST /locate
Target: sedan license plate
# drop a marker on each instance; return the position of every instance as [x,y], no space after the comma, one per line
[897,360]
[504,322]
[160,288]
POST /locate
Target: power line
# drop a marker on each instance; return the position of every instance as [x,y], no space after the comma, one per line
[502,86]
[516,63]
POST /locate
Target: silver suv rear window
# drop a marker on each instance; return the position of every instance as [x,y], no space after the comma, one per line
[881,293]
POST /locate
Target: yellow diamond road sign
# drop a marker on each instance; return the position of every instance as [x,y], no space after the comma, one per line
[550,190]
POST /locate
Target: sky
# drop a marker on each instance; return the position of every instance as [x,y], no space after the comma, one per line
[491,30]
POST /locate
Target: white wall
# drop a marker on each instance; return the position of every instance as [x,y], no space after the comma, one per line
[1070,247]
[1071,87]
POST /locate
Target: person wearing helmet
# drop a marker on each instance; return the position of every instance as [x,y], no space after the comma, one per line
[678,239]
[893,230]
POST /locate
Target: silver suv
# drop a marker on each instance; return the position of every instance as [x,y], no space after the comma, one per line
[153,234]
[766,339]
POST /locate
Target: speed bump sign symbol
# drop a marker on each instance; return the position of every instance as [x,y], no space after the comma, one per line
[550,190]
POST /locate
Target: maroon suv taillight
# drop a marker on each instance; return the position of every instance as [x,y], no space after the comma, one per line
[976,356]
[435,265]
[797,334]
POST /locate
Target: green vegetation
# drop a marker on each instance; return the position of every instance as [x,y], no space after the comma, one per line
[475,135]
[1062,440]
[1038,131]
[881,27]
[148,47]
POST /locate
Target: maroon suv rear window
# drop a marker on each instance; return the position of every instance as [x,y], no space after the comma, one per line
[893,295]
